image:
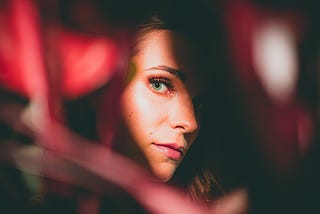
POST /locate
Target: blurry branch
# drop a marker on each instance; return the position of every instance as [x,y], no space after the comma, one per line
[235,202]
[75,156]
[94,166]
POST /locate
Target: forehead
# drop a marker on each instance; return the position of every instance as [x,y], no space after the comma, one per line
[165,47]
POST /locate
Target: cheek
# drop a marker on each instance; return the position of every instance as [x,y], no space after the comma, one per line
[138,111]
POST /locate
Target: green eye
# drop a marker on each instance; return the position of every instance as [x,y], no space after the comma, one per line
[157,86]
[160,85]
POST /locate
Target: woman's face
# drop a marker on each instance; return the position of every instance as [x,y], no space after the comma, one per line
[157,105]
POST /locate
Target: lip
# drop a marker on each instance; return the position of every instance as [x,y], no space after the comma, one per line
[171,150]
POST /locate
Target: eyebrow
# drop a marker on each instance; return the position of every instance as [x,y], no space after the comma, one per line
[178,73]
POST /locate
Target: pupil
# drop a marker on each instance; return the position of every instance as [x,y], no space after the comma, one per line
[157,85]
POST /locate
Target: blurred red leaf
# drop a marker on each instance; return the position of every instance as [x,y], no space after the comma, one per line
[88,62]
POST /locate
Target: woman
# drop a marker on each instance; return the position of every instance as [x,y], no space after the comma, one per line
[160,107]
[157,106]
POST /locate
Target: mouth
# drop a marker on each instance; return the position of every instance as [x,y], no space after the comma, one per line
[172,151]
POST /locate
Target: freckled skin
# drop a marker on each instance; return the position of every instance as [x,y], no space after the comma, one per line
[150,116]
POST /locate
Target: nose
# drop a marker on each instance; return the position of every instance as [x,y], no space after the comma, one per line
[182,116]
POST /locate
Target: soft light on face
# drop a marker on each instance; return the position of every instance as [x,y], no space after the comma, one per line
[157,107]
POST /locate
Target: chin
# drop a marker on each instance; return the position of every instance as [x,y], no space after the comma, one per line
[163,179]
[164,173]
